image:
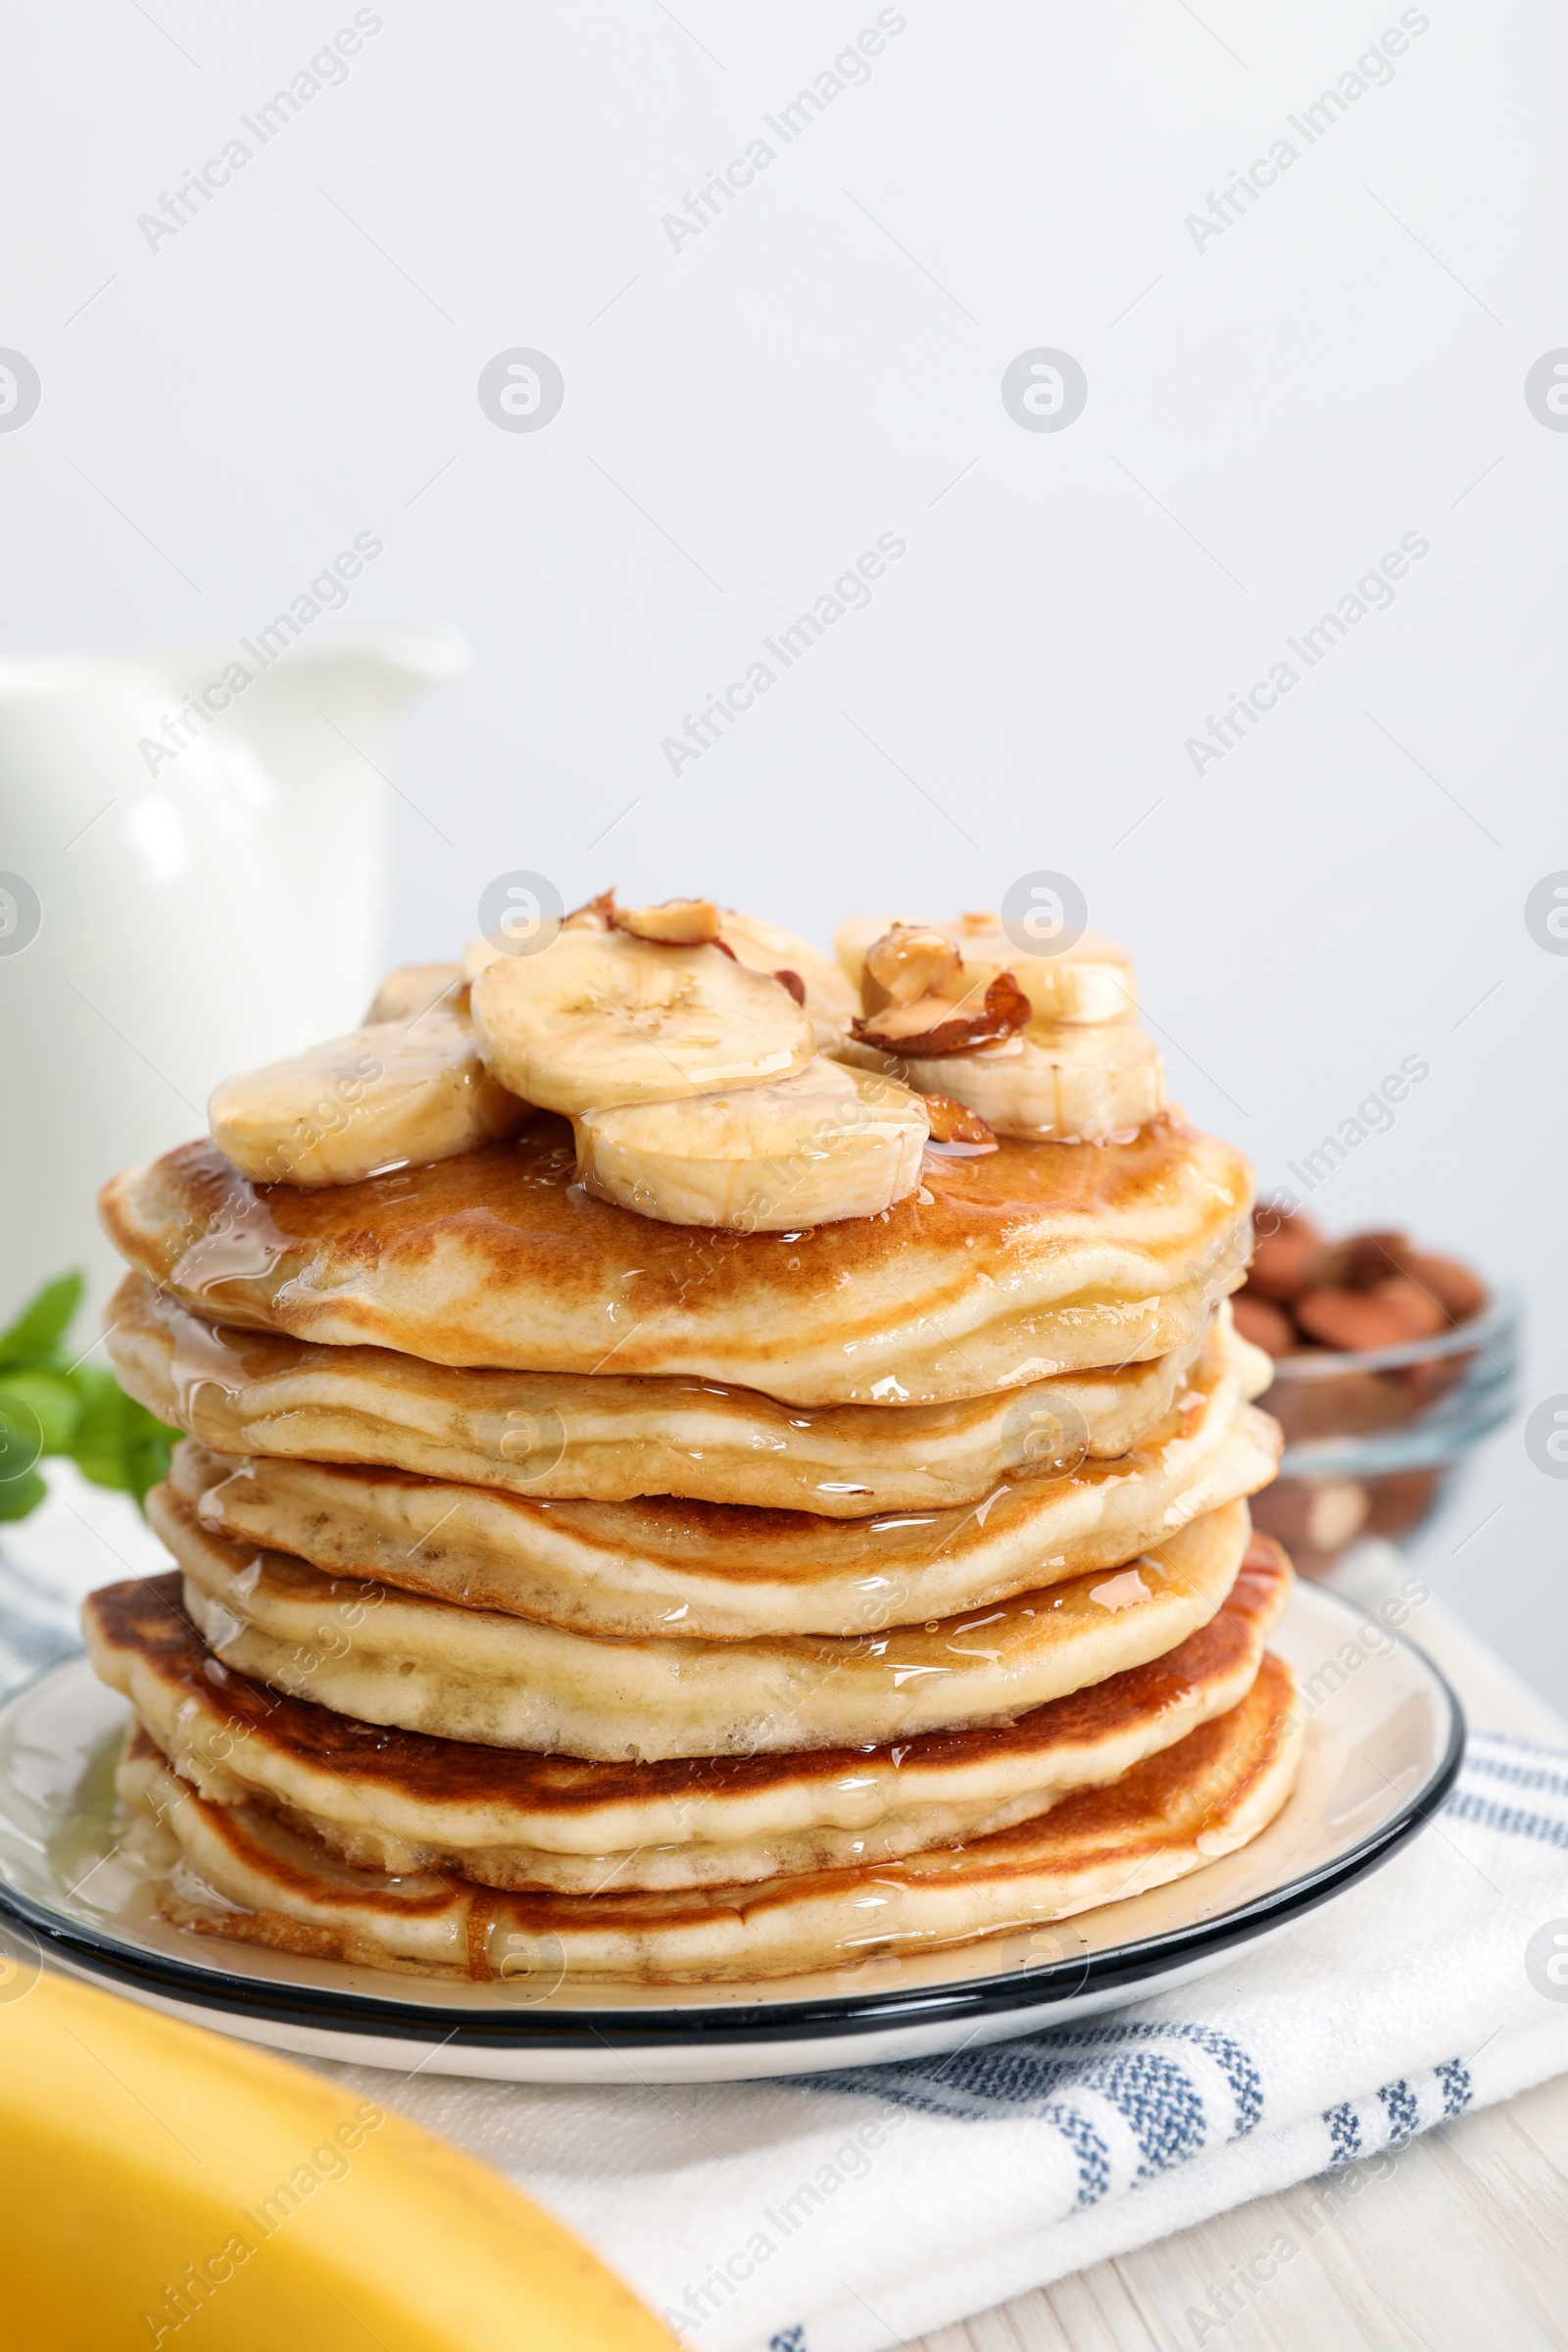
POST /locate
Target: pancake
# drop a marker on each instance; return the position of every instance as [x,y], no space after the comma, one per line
[401,1803]
[727,1573]
[239,1873]
[608,1438]
[1003,1268]
[393,1657]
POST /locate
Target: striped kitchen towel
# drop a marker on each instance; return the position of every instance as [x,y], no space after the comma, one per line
[850,2210]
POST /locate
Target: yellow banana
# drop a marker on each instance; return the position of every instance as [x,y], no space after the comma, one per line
[156,2179]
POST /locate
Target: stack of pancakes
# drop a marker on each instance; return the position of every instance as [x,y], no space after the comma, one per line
[564,1592]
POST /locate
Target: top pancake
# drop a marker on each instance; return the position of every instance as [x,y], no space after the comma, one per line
[1002,1269]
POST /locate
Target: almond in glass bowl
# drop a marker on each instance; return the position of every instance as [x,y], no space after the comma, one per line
[1390,1362]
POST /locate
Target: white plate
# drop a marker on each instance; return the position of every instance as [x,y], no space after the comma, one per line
[1383,1736]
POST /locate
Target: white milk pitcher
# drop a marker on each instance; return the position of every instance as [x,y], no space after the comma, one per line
[192,856]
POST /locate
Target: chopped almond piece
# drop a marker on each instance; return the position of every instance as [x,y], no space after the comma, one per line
[792,981]
[594,914]
[909,961]
[676,924]
[936,1025]
[956,1123]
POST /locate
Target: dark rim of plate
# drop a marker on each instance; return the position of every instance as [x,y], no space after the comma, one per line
[374,2016]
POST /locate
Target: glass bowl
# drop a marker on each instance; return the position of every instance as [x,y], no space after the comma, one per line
[1371,1440]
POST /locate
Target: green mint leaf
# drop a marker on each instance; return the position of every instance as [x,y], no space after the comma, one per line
[117,1442]
[35,1335]
[42,1403]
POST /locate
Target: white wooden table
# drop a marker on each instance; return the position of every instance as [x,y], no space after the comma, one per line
[1463,2249]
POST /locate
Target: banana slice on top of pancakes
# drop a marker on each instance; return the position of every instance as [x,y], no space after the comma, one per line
[599,1019]
[951,1024]
[712,1066]
[831,1000]
[828,1143]
[1089,982]
[683,1050]
[397,1093]
[829,997]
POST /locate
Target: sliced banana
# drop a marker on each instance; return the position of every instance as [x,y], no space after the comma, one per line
[831,1002]
[1048,1085]
[1090,981]
[595,915]
[599,1019]
[826,1144]
[393,1095]
[415,988]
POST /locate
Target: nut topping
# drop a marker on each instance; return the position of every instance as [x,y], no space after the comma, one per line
[909,961]
[956,1123]
[676,924]
[935,1025]
[595,915]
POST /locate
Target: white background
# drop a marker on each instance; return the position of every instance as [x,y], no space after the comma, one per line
[1266,417]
